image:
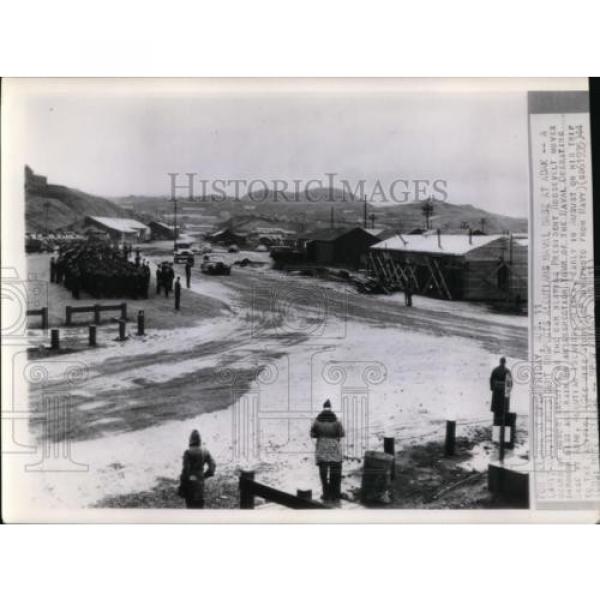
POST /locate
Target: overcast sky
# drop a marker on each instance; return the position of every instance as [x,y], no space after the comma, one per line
[115,144]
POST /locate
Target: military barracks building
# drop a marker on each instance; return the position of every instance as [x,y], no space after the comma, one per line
[454,266]
[120,230]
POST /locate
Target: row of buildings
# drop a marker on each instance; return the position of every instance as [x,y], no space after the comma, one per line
[450,266]
[457,266]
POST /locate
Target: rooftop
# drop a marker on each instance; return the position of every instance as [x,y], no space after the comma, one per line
[123,225]
[453,244]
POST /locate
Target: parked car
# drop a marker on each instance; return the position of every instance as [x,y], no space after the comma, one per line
[233,248]
[212,266]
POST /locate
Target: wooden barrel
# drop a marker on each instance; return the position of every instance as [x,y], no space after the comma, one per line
[376,477]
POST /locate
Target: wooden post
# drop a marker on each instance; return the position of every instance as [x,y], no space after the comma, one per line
[68,315]
[450,443]
[54,339]
[122,332]
[304,494]
[502,432]
[96,314]
[246,493]
[376,477]
[140,322]
[45,317]
[389,447]
[92,335]
[124,311]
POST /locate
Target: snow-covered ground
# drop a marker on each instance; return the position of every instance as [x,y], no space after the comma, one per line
[382,380]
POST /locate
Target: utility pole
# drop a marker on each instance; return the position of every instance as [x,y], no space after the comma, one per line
[174,223]
[331,218]
[365,213]
[427,210]
[47,206]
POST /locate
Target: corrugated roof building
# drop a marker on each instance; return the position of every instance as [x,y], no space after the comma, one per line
[123,230]
[454,266]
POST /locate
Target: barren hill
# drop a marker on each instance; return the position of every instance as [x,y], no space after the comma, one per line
[51,207]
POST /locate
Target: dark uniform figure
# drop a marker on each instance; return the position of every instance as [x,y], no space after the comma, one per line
[408,293]
[328,431]
[52,270]
[194,472]
[177,294]
[158,279]
[188,273]
[500,386]
[75,283]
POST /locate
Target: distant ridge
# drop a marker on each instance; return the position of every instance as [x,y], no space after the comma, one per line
[57,207]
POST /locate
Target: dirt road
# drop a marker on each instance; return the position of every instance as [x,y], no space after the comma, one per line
[248,361]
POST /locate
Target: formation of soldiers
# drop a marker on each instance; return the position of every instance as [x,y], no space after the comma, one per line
[101,270]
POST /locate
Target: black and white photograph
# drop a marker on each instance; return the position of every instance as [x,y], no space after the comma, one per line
[272,295]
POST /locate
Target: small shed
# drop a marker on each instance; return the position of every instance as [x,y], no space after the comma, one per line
[454,266]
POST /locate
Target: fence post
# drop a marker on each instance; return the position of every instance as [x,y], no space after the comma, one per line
[140,322]
[124,311]
[45,317]
[68,315]
[246,492]
[450,443]
[92,335]
[389,447]
[304,494]
[54,339]
[122,331]
[96,314]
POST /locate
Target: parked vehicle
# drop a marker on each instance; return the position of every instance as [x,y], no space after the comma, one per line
[233,248]
[212,266]
[183,252]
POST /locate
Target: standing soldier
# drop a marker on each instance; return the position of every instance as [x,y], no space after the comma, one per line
[76,283]
[177,294]
[167,282]
[191,482]
[408,292]
[500,386]
[158,279]
[328,431]
[52,270]
[169,275]
[188,272]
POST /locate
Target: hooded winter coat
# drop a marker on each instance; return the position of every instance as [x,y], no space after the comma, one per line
[193,473]
[328,431]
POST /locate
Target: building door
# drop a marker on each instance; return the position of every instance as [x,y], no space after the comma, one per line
[502,274]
